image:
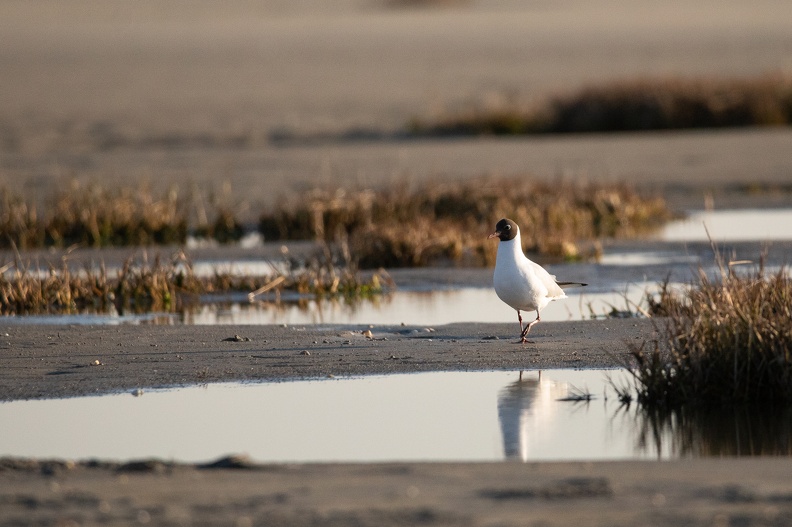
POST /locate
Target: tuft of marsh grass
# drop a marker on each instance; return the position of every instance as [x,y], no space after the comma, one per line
[137,288]
[441,223]
[630,105]
[725,340]
[166,286]
[398,226]
[96,216]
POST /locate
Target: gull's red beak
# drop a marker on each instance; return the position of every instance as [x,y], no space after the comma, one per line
[494,235]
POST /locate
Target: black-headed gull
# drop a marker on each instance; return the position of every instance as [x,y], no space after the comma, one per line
[519,282]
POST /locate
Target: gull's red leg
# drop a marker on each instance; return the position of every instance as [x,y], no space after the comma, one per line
[528,327]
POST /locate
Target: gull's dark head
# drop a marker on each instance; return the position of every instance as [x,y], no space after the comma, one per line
[505,230]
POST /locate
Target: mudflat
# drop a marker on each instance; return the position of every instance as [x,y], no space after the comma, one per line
[58,361]
[234,492]
[192,94]
[41,361]
[179,94]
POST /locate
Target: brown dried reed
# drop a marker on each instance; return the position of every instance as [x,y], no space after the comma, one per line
[436,223]
[725,340]
[164,286]
[630,105]
[441,223]
[96,216]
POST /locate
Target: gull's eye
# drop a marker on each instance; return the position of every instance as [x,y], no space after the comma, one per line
[507,227]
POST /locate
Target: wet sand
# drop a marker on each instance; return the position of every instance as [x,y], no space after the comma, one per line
[62,361]
[174,93]
[690,492]
[57,361]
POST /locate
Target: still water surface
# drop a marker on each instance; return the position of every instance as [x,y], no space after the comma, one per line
[400,307]
[731,225]
[450,416]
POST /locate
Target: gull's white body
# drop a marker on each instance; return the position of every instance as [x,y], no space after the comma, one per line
[519,282]
[522,284]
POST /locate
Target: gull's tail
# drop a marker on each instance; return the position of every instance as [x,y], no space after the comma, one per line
[567,285]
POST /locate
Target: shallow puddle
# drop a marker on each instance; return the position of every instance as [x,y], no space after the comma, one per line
[460,416]
[417,308]
[401,307]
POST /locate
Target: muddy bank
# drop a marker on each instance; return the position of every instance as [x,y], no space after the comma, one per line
[234,492]
[41,361]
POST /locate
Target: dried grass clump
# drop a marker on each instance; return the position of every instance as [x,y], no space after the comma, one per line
[726,340]
[136,288]
[676,104]
[164,286]
[328,281]
[96,216]
[642,104]
[502,118]
[19,222]
[448,222]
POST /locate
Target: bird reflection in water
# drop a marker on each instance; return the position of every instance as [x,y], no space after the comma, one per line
[525,406]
